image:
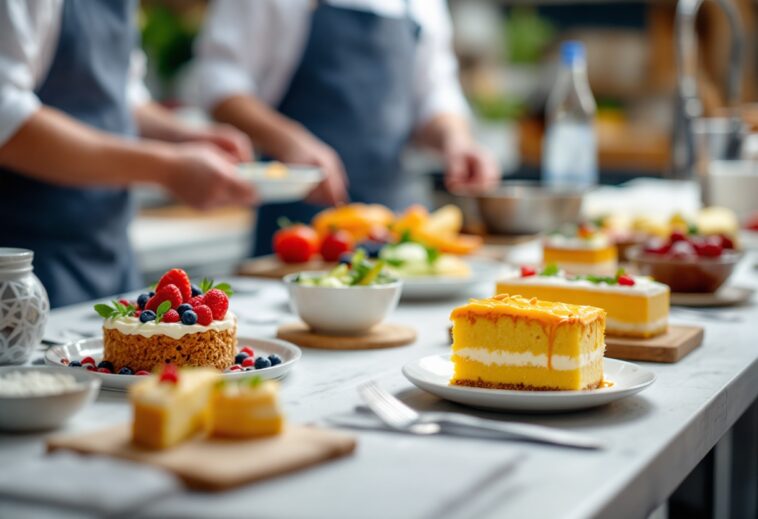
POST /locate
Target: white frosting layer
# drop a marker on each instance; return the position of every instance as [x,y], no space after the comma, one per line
[642,285]
[133,326]
[559,241]
[613,324]
[509,358]
[603,268]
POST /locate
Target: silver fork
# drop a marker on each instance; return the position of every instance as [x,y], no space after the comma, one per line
[398,416]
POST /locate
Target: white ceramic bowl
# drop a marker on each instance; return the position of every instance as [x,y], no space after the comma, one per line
[39,413]
[344,310]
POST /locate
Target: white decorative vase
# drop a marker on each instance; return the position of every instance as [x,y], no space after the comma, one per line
[23,306]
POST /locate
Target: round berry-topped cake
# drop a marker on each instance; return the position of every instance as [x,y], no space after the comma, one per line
[178,323]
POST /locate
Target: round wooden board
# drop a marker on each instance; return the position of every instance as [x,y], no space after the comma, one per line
[381,336]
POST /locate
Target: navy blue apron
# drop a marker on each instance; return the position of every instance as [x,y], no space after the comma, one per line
[353,90]
[79,236]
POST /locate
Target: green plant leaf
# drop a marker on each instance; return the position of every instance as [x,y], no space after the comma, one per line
[164,307]
[432,255]
[550,270]
[226,288]
[104,310]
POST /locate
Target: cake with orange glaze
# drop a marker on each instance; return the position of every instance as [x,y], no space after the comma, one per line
[581,250]
[511,342]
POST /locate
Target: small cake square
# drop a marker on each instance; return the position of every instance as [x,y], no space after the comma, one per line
[511,342]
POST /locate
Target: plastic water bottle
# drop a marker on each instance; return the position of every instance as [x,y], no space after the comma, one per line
[569,148]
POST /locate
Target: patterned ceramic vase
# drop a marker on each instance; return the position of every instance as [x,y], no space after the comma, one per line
[23,306]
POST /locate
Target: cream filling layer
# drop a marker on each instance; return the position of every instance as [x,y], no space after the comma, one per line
[614,324]
[529,359]
[133,326]
[599,269]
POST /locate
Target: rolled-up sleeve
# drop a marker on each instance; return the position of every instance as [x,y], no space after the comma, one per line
[228,51]
[20,49]
[437,88]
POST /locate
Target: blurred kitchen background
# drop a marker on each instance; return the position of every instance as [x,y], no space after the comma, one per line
[508,53]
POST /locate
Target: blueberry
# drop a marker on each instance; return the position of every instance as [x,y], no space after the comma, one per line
[249,369]
[142,301]
[189,317]
[125,371]
[147,315]
[274,359]
[151,293]
[105,364]
[240,357]
[196,291]
[372,247]
[346,258]
[262,362]
[74,364]
[183,308]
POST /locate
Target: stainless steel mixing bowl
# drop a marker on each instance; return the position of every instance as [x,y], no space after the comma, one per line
[523,207]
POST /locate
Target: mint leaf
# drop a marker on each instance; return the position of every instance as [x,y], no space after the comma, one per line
[207,284]
[226,288]
[550,270]
[164,307]
[104,310]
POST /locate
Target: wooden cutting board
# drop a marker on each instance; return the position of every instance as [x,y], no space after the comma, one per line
[669,347]
[383,335]
[271,267]
[215,464]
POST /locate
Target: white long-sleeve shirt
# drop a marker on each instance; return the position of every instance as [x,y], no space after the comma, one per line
[255,47]
[28,40]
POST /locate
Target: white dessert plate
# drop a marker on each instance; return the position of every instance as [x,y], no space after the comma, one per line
[293,185]
[483,271]
[433,374]
[93,347]
[724,296]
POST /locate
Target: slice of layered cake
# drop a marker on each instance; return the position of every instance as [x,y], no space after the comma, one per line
[511,342]
[581,250]
[172,406]
[247,408]
[637,306]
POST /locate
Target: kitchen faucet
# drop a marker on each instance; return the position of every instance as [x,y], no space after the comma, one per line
[689,108]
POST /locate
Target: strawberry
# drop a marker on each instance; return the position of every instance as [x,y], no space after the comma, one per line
[626,280]
[195,301]
[248,362]
[217,301]
[170,374]
[165,293]
[180,280]
[204,314]
[247,349]
[88,360]
[527,271]
[172,316]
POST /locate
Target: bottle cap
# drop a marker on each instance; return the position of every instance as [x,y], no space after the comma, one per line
[572,51]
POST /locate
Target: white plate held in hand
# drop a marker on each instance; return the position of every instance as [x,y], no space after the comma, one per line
[433,374]
[295,182]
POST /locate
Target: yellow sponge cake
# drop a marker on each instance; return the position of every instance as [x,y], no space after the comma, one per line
[583,251]
[172,406]
[637,306]
[246,409]
[511,342]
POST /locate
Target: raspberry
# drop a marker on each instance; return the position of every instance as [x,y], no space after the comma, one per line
[250,351]
[249,361]
[179,279]
[204,315]
[170,374]
[166,293]
[195,301]
[528,271]
[172,316]
[234,367]
[88,360]
[626,280]
[217,301]
[104,370]
[142,373]
[126,302]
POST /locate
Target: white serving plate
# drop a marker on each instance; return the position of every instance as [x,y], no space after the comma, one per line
[93,347]
[433,374]
[298,183]
[439,287]
[46,412]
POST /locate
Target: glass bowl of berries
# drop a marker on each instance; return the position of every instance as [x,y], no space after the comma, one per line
[688,262]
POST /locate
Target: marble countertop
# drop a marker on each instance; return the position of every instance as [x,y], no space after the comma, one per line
[654,439]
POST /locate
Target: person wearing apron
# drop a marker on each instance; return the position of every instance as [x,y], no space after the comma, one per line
[79,232]
[354,90]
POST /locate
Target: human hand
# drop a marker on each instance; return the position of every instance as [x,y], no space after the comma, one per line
[305,148]
[226,138]
[202,176]
[468,165]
